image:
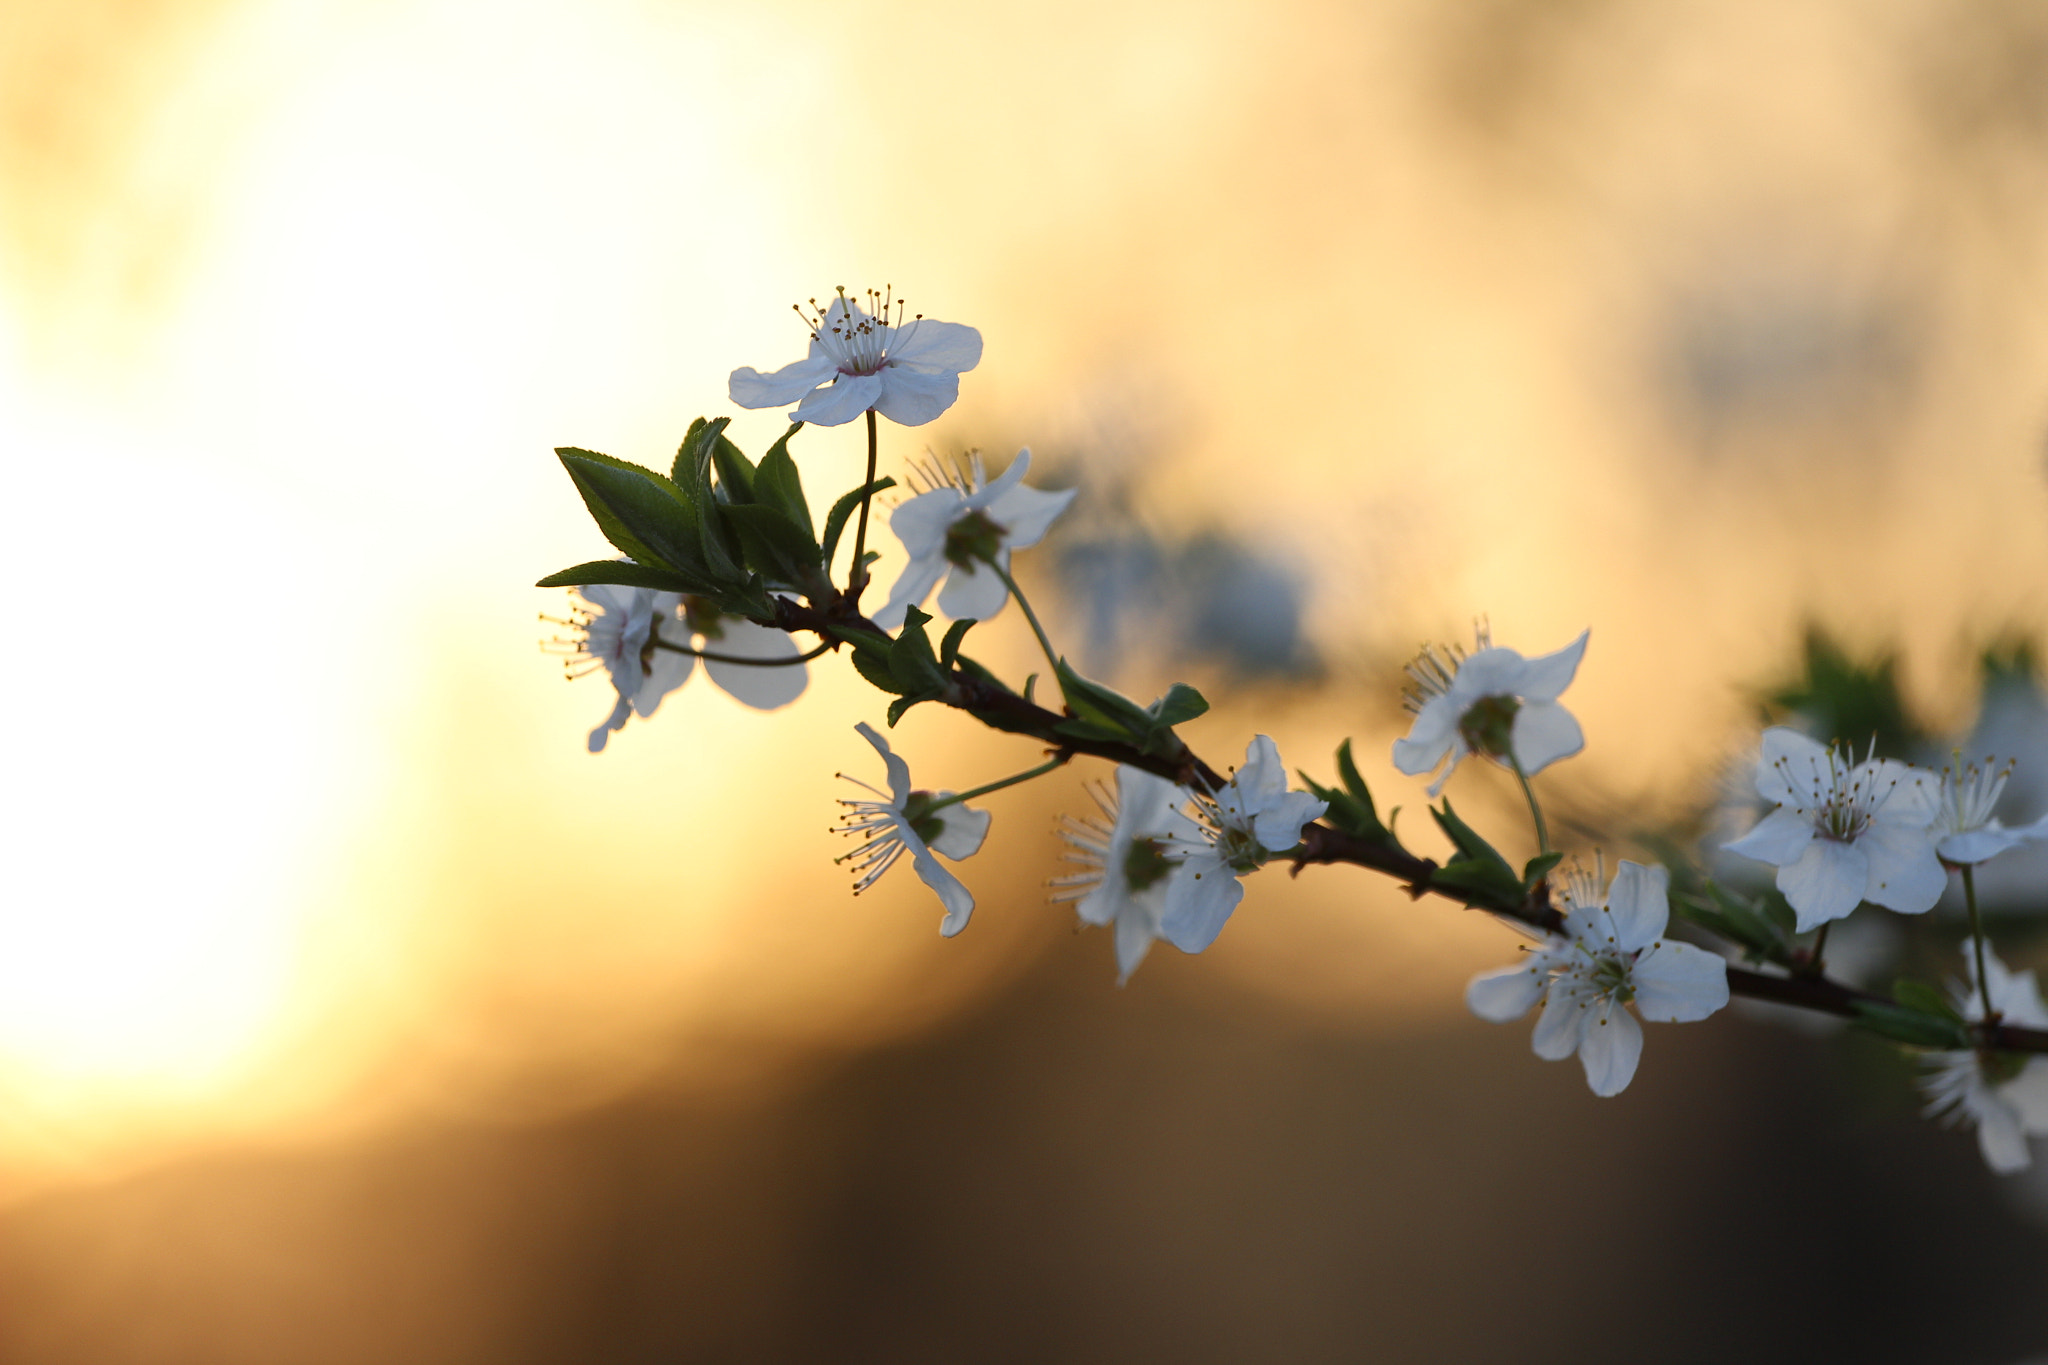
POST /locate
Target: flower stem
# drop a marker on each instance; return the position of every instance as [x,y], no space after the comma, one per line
[1535,810]
[1029,614]
[1977,937]
[1057,760]
[1816,957]
[857,576]
[805,658]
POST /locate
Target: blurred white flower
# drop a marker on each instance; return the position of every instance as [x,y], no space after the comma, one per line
[1492,702]
[702,626]
[2004,1094]
[956,524]
[901,820]
[1844,833]
[1612,952]
[614,628]
[1253,817]
[1127,860]
[1964,830]
[908,372]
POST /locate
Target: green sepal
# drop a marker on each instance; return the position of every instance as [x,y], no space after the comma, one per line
[1918,995]
[649,518]
[1538,868]
[778,485]
[835,520]
[624,573]
[1913,1027]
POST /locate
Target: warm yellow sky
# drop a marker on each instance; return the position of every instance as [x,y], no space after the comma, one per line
[1680,322]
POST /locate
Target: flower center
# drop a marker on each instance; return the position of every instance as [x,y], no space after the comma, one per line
[1146,864]
[1969,798]
[1611,977]
[1488,726]
[1432,671]
[974,537]
[858,339]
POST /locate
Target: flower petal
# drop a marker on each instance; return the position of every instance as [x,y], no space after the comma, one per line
[1547,676]
[972,593]
[1429,739]
[911,397]
[1792,770]
[839,403]
[1199,898]
[1278,826]
[1677,983]
[1779,839]
[749,388]
[615,721]
[930,344]
[1980,844]
[1904,872]
[899,771]
[1503,996]
[1640,902]
[1999,1136]
[764,689]
[1826,882]
[1494,672]
[1263,775]
[961,830]
[913,585]
[1134,934]
[921,522]
[1025,514]
[670,669]
[1559,1027]
[2027,1093]
[1612,1047]
[1914,794]
[1543,733]
[957,899]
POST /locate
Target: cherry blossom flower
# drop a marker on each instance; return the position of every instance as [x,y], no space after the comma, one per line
[1238,828]
[1612,953]
[1965,831]
[1127,863]
[702,626]
[1843,832]
[859,359]
[958,525]
[614,628]
[2004,1094]
[903,821]
[1492,702]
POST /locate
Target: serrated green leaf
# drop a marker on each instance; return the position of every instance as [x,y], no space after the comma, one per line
[835,520]
[1918,995]
[771,542]
[1470,844]
[1181,703]
[875,668]
[645,515]
[911,658]
[949,647]
[777,483]
[1538,868]
[623,573]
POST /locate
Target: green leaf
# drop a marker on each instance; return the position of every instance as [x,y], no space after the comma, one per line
[1103,706]
[911,659]
[1469,844]
[835,520]
[1910,1026]
[874,666]
[1737,921]
[771,542]
[1918,995]
[949,648]
[1181,703]
[1538,868]
[777,484]
[1487,886]
[736,476]
[647,517]
[624,573]
[902,704]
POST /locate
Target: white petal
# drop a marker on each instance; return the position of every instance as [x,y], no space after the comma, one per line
[899,771]
[1778,839]
[2027,1093]
[1278,826]
[1560,1026]
[913,585]
[1980,844]
[1263,775]
[921,522]
[671,669]
[1640,902]
[1914,793]
[749,388]
[1429,737]
[911,398]
[1790,767]
[1826,883]
[1998,1131]
[839,403]
[931,344]
[957,899]
[1025,514]
[1677,983]
[972,593]
[1905,874]
[1501,997]
[961,830]
[1544,678]
[764,689]
[1134,935]
[1199,898]
[1495,672]
[1543,733]
[986,494]
[615,721]
[1612,1047]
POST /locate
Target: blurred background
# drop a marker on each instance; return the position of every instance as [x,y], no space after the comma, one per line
[350,1010]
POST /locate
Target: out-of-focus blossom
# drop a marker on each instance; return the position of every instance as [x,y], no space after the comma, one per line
[901,821]
[1253,817]
[959,525]
[1844,833]
[1492,702]
[860,359]
[1612,953]
[614,629]
[1964,830]
[763,687]
[2004,1094]
[1127,861]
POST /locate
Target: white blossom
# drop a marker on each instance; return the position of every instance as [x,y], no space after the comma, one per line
[1844,832]
[2004,1094]
[1965,831]
[954,526]
[1492,702]
[908,372]
[1127,861]
[901,821]
[614,629]
[700,625]
[1612,953]
[1253,817]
